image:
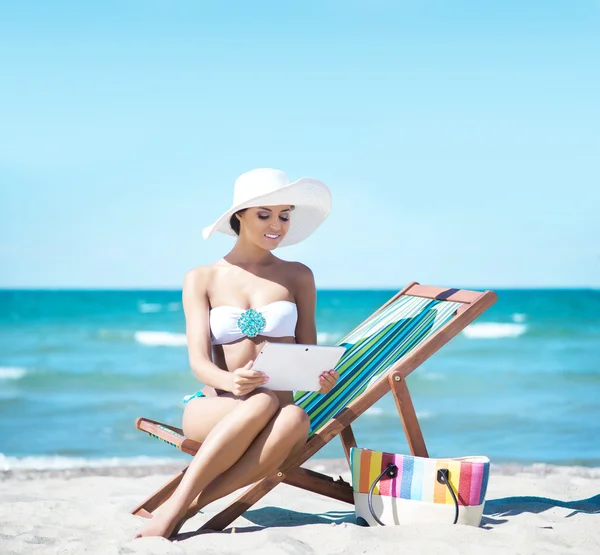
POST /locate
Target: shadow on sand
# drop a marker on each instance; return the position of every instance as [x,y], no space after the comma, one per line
[493,512]
[271,517]
[511,506]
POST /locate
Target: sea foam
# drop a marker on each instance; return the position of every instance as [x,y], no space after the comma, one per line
[11,373]
[494,330]
[56,462]
[425,414]
[325,338]
[161,338]
[158,307]
[150,307]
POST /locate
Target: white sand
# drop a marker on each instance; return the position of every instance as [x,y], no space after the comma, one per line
[536,509]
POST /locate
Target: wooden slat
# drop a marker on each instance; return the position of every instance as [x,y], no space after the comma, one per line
[243,503]
[348,441]
[444,293]
[158,497]
[407,413]
[320,483]
[299,477]
[153,427]
[143,424]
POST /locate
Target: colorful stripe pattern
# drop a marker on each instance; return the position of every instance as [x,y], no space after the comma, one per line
[372,348]
[171,432]
[417,477]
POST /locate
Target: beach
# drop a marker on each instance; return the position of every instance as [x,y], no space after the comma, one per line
[530,509]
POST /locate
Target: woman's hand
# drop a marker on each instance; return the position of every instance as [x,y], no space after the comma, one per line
[246,380]
[327,380]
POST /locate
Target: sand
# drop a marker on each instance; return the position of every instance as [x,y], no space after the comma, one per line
[534,509]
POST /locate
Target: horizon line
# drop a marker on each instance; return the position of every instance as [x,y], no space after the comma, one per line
[328,288]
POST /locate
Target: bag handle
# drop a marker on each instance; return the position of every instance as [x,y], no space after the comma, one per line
[392,471]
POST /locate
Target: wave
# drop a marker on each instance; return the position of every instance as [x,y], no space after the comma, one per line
[145,308]
[149,307]
[98,385]
[328,338]
[494,330]
[378,411]
[11,373]
[161,338]
[57,462]
[425,414]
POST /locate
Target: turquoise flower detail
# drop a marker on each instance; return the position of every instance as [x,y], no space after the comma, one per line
[251,322]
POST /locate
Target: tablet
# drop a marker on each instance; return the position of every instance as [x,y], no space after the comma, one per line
[296,367]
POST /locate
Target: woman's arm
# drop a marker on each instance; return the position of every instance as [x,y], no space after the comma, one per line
[306,301]
[306,328]
[196,308]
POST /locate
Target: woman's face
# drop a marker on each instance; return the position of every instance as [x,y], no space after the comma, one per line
[266,226]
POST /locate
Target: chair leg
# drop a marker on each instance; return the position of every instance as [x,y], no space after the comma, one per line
[348,441]
[406,409]
[316,482]
[147,507]
[243,502]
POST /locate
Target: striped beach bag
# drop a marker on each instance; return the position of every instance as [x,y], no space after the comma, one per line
[399,489]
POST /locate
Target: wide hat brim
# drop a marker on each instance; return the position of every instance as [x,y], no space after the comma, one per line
[312,201]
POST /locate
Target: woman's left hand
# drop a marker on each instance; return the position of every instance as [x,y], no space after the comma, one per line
[327,380]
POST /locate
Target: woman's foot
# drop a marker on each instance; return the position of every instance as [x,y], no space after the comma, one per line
[161,525]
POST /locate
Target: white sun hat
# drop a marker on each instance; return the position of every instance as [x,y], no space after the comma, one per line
[269,187]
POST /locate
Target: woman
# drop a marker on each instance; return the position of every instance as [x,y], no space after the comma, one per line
[247,431]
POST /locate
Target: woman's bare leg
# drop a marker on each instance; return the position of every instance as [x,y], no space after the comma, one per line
[286,433]
[224,445]
[202,414]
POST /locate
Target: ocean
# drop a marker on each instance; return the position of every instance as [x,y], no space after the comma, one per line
[521,384]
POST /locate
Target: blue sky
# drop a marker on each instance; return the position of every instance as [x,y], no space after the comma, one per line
[460,139]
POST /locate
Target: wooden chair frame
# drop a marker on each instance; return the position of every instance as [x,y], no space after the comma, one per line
[474,303]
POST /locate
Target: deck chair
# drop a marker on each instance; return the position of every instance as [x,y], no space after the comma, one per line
[380,353]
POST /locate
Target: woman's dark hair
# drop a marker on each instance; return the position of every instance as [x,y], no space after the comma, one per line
[235,223]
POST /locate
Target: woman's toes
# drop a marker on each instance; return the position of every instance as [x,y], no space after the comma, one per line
[156,527]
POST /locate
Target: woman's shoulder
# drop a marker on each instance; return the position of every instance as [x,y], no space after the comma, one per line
[207,274]
[198,276]
[299,273]
[291,266]
[297,267]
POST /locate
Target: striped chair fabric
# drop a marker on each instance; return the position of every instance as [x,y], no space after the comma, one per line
[371,348]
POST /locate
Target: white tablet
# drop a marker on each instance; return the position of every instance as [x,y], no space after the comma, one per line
[295,367]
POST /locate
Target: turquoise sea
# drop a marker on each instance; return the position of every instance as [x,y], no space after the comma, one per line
[521,384]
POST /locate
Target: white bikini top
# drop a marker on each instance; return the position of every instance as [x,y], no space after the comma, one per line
[229,323]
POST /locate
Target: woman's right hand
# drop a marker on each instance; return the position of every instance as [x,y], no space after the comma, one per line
[246,380]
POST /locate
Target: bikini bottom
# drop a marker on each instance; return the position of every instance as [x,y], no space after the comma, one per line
[188,398]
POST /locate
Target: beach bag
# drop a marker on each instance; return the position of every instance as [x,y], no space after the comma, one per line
[400,489]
